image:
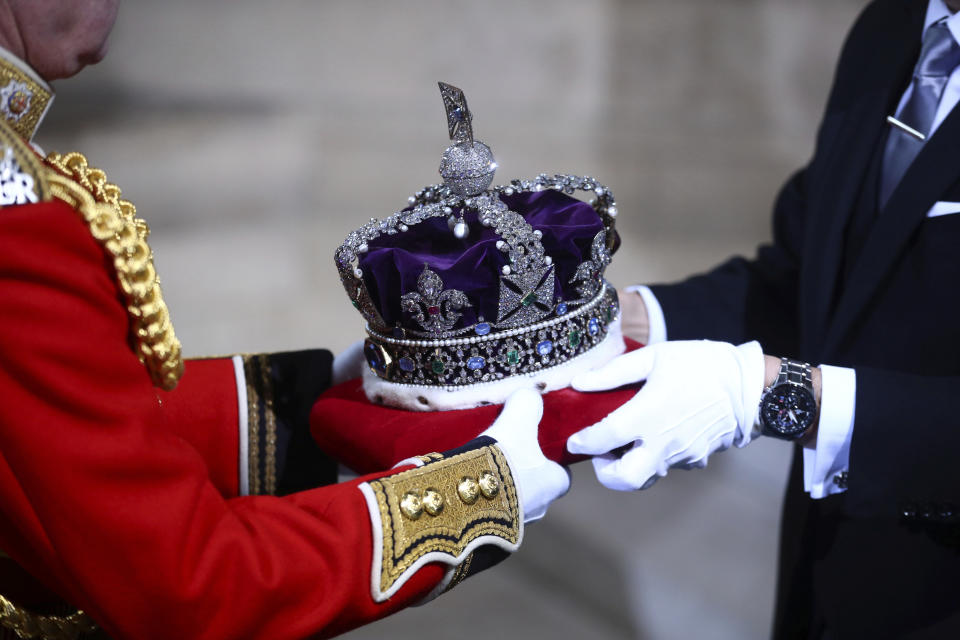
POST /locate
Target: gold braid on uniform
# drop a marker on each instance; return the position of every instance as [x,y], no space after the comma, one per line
[115,225]
[29,625]
[442,512]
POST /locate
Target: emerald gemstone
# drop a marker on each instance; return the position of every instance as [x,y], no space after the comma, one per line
[574,339]
[437,366]
[529,299]
[513,357]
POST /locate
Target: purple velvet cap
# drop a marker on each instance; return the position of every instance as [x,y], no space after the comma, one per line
[393,263]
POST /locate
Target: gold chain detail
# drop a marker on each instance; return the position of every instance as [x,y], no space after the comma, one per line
[31,625]
[115,225]
[253,423]
[270,448]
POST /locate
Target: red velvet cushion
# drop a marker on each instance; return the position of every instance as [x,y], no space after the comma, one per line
[368,437]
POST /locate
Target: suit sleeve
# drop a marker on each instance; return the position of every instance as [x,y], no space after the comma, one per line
[756,299]
[117,512]
[741,299]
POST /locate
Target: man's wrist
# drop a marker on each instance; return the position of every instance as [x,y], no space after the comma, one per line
[809,441]
[635,322]
[771,367]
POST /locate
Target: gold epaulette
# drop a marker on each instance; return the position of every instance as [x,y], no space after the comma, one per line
[114,224]
[441,512]
[25,179]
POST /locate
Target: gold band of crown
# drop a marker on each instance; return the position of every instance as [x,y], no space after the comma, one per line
[115,225]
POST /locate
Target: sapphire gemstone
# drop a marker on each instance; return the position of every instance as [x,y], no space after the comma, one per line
[374,357]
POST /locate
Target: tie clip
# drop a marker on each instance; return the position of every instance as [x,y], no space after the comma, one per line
[906,129]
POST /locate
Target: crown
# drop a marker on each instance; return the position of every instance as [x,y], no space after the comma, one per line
[474,289]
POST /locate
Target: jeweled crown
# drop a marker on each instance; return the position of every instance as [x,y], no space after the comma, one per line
[471,284]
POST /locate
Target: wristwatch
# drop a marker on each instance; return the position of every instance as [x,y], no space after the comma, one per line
[788,407]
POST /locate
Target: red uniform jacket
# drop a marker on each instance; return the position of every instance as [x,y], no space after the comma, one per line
[124,499]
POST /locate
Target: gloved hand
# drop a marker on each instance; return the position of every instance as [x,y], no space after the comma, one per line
[349,364]
[699,397]
[539,480]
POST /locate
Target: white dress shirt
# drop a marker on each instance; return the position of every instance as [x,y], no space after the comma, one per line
[823,466]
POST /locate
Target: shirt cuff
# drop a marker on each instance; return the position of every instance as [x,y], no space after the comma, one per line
[825,466]
[655,319]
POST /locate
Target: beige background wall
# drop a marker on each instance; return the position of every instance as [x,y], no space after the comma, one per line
[253,135]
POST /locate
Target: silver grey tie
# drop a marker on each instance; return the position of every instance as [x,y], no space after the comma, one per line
[939,55]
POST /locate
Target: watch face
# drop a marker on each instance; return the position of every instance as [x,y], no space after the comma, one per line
[788,409]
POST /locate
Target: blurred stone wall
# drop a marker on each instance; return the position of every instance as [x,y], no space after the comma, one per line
[254,135]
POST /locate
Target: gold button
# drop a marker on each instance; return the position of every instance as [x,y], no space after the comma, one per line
[411,505]
[489,485]
[432,501]
[468,490]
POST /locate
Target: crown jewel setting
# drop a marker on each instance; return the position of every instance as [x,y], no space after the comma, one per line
[534,328]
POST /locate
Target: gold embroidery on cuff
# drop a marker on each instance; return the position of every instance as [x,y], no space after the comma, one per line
[457,524]
[460,573]
[253,421]
[270,419]
[430,457]
[261,419]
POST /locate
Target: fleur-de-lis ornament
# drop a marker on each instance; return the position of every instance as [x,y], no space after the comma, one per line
[434,308]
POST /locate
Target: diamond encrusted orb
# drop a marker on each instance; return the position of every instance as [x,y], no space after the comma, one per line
[468,168]
[467,165]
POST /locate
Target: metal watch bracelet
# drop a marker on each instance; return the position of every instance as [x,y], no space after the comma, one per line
[796,372]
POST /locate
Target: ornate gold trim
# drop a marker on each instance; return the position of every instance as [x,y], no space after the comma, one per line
[115,225]
[270,448]
[30,625]
[25,97]
[430,457]
[405,540]
[460,573]
[261,425]
[253,422]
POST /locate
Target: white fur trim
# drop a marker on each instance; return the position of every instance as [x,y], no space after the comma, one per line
[433,556]
[407,396]
[242,426]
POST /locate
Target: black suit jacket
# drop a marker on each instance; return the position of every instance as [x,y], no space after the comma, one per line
[883,559]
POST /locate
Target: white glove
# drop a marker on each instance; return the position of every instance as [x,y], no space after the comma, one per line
[349,364]
[539,480]
[699,397]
